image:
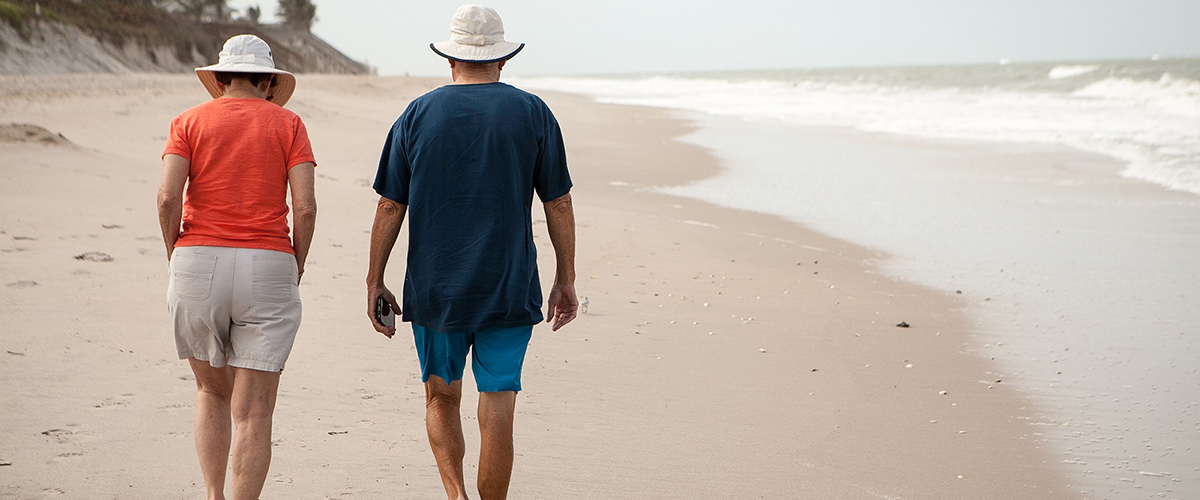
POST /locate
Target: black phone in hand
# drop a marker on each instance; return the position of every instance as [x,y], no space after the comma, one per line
[383,312]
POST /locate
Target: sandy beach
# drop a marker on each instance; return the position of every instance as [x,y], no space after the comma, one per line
[723,354]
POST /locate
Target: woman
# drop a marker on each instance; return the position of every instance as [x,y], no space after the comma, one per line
[235,273]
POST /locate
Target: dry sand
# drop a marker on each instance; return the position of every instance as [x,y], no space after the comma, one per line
[724,354]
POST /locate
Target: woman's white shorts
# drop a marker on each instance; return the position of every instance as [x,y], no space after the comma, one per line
[235,306]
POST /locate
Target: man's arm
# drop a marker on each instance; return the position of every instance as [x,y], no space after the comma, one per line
[389,216]
[170,198]
[560,219]
[304,211]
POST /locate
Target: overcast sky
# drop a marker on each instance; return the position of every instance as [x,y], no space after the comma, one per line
[637,36]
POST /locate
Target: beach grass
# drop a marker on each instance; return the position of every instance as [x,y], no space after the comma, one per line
[15,16]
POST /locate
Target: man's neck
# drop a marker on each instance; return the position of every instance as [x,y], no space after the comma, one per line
[466,73]
[465,79]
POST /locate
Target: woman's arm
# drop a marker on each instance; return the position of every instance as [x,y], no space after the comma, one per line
[170,198]
[304,210]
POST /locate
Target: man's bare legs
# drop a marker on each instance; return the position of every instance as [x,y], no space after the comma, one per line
[496,443]
[444,426]
[443,422]
[214,387]
[224,397]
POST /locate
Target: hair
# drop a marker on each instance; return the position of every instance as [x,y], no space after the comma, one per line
[225,77]
[475,65]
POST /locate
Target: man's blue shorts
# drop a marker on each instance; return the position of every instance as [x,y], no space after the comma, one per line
[496,355]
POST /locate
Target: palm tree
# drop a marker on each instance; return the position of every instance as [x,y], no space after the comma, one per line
[253,14]
[194,8]
[221,8]
[298,13]
[197,9]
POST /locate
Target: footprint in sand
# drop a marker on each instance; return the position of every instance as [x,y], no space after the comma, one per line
[59,435]
[94,257]
[22,284]
[114,401]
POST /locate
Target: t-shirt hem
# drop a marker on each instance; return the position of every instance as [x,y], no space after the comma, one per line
[187,155]
[473,328]
[554,195]
[209,242]
[303,160]
[393,197]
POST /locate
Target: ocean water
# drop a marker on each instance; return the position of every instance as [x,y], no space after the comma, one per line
[1145,113]
[1061,200]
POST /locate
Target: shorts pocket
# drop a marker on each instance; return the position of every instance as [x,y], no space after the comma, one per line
[274,278]
[192,275]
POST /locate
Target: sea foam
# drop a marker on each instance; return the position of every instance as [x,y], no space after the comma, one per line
[1151,124]
[1060,72]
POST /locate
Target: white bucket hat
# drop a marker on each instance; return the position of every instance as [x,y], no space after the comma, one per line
[476,35]
[248,54]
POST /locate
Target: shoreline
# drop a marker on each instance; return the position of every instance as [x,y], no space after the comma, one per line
[853,281]
[1062,262]
[801,389]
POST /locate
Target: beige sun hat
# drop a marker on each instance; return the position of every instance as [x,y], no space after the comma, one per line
[248,54]
[476,35]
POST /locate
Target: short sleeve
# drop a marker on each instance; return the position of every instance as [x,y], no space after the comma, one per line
[551,179]
[301,150]
[392,178]
[177,140]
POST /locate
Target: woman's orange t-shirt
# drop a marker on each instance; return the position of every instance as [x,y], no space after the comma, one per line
[240,152]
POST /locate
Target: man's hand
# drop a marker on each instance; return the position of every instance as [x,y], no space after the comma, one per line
[389,215]
[562,306]
[560,221]
[377,291]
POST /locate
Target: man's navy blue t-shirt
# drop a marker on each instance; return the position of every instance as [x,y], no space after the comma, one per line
[466,160]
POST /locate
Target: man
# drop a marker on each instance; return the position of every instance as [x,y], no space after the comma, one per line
[234,291]
[463,162]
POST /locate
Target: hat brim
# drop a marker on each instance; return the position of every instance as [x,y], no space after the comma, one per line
[280,92]
[477,53]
